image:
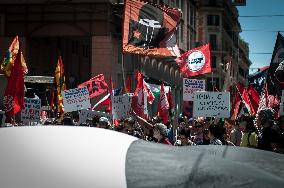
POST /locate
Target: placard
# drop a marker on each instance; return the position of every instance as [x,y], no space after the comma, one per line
[2,118]
[86,114]
[190,86]
[31,111]
[76,99]
[211,104]
[121,106]
[281,109]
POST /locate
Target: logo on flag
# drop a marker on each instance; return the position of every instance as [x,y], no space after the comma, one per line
[195,61]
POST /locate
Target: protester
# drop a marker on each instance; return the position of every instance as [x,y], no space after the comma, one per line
[198,133]
[184,138]
[280,124]
[250,136]
[236,134]
[269,137]
[160,134]
[206,138]
[214,134]
[104,123]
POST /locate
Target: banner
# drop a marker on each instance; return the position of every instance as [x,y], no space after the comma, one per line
[211,104]
[121,106]
[190,86]
[150,29]
[96,86]
[31,110]
[86,114]
[281,110]
[76,99]
[2,118]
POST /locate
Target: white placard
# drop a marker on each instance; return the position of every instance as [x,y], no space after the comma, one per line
[76,99]
[121,106]
[2,118]
[190,86]
[211,104]
[85,114]
[31,111]
[281,110]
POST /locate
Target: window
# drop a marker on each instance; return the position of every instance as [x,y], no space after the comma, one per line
[213,41]
[212,2]
[213,20]
[210,84]
[85,50]
[213,62]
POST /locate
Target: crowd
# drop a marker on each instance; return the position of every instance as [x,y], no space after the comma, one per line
[262,132]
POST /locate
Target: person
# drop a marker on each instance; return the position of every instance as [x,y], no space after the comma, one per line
[250,137]
[206,139]
[236,134]
[160,134]
[184,138]
[198,137]
[103,123]
[269,137]
[67,120]
[214,134]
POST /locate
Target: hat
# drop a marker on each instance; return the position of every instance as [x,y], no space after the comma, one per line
[104,119]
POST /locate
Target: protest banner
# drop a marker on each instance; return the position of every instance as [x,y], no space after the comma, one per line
[281,109]
[31,111]
[76,99]
[121,106]
[2,118]
[211,104]
[190,86]
[86,114]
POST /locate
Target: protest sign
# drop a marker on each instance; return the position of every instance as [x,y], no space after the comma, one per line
[121,106]
[76,99]
[281,110]
[86,114]
[2,118]
[190,86]
[31,111]
[211,104]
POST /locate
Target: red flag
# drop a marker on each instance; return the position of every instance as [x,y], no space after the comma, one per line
[196,61]
[14,93]
[150,95]
[150,29]
[138,102]
[253,99]
[95,85]
[128,85]
[163,105]
[171,105]
[268,101]
[109,107]
[237,102]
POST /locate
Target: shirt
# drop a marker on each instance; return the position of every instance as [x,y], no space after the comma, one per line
[215,141]
[252,141]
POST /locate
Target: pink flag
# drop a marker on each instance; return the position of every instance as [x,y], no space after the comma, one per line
[95,85]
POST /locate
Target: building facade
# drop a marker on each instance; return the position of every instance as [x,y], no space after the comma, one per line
[88,36]
[217,24]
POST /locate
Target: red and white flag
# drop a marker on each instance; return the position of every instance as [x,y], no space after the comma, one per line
[196,61]
[14,93]
[95,85]
[163,105]
[139,103]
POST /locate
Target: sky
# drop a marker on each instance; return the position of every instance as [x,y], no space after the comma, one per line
[261,41]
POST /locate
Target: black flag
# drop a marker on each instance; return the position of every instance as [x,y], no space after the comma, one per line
[275,77]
